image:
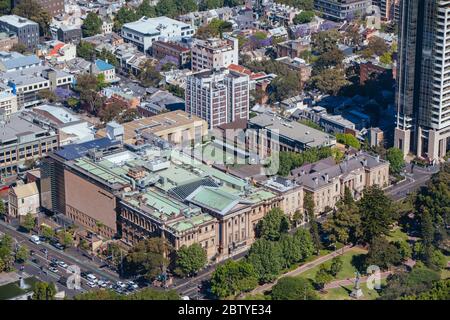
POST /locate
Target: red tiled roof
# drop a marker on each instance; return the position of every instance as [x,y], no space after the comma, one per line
[56,48]
[240,69]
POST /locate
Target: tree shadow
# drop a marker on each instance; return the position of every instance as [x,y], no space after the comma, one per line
[359,261]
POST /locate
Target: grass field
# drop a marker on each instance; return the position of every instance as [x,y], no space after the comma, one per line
[348,270]
[397,234]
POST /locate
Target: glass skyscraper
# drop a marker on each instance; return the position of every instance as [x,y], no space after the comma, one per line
[423,78]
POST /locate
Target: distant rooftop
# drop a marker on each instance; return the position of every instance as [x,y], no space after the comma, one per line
[17,126]
[293,130]
[76,151]
[152,26]
[103,65]
[17,21]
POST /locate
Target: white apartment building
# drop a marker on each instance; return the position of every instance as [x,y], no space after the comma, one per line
[144,31]
[8,103]
[217,96]
[214,53]
[107,26]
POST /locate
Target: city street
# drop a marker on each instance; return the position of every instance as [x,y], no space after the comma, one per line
[40,269]
[418,178]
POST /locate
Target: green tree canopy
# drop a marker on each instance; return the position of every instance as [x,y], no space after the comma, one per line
[304,17]
[329,81]
[44,291]
[267,259]
[191,259]
[147,258]
[92,25]
[376,214]
[273,225]
[344,224]
[22,254]
[348,139]
[395,158]
[294,288]
[29,222]
[233,277]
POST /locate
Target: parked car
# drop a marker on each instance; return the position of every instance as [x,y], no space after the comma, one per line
[44,251]
[62,264]
[92,284]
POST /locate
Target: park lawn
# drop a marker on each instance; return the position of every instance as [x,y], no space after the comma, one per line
[397,235]
[348,270]
[445,273]
[343,293]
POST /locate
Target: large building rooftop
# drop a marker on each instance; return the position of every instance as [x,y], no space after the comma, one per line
[153,26]
[17,21]
[156,124]
[293,130]
[17,126]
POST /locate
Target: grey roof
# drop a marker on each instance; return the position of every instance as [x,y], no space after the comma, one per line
[293,130]
[18,62]
[315,176]
[17,126]
[31,75]
[17,21]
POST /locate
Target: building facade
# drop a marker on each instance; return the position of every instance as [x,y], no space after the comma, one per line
[218,97]
[340,10]
[171,51]
[26,30]
[422,97]
[214,53]
[144,31]
[23,199]
[21,140]
[53,7]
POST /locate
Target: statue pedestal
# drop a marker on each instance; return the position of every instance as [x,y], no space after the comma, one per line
[356,293]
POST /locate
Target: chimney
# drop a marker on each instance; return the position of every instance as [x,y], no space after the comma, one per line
[327,178]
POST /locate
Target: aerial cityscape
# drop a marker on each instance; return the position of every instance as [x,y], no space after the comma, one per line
[245,150]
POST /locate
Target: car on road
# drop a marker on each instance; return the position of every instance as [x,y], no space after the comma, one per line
[34,260]
[31,252]
[90,277]
[44,251]
[54,260]
[58,245]
[62,264]
[53,269]
[35,239]
[92,284]
[83,274]
[132,285]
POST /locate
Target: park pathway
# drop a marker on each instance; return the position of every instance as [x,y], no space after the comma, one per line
[351,282]
[301,269]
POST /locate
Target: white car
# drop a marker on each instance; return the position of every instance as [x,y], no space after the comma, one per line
[91,278]
[92,284]
[62,264]
[53,269]
[121,284]
[35,239]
